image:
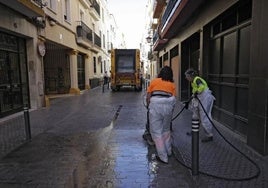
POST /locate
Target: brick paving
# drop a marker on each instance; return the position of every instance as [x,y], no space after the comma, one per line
[12,133]
[220,165]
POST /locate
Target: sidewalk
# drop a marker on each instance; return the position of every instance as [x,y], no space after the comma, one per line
[220,165]
[77,142]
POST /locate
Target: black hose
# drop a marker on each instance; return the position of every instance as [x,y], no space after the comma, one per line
[211,175]
[178,114]
[243,154]
[219,177]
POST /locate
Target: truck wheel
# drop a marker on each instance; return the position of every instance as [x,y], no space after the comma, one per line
[138,88]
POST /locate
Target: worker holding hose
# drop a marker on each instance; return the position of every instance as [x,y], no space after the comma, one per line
[161,102]
[203,93]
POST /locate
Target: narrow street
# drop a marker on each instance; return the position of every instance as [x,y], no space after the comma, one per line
[59,128]
[95,140]
[91,140]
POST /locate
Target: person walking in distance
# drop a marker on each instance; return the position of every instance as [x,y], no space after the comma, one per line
[201,90]
[161,102]
[105,77]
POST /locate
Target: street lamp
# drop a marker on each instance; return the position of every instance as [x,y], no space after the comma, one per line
[149,39]
[149,59]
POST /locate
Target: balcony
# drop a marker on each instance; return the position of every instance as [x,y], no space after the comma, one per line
[94,10]
[110,47]
[171,7]
[176,15]
[150,55]
[30,8]
[96,47]
[97,40]
[158,8]
[84,35]
[158,43]
[85,3]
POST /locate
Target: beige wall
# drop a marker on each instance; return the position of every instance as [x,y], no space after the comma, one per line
[63,33]
[175,69]
[61,36]
[14,24]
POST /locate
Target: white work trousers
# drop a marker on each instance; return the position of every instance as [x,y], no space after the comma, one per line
[160,116]
[207,100]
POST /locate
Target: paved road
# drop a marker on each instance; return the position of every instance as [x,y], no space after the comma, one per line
[95,140]
[92,140]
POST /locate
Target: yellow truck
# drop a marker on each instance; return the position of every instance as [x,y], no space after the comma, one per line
[125,69]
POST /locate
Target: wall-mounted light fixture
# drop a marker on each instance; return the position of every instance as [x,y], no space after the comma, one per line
[149,39]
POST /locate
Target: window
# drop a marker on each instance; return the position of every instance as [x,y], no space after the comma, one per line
[241,12]
[102,15]
[103,41]
[93,31]
[100,37]
[82,15]
[13,74]
[101,68]
[104,65]
[67,14]
[166,56]
[174,52]
[52,4]
[94,65]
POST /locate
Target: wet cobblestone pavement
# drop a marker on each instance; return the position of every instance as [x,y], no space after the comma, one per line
[95,141]
[133,164]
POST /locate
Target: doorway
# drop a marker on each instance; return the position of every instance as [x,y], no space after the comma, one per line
[190,55]
[13,75]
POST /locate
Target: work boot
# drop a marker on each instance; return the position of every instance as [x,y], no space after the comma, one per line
[207,139]
[161,160]
[150,140]
[145,135]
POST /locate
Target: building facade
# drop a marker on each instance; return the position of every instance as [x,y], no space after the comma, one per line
[225,42]
[21,78]
[75,45]
[51,47]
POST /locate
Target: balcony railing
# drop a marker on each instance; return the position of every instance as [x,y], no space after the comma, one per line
[155,37]
[95,6]
[97,40]
[86,3]
[29,8]
[84,34]
[38,3]
[170,6]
